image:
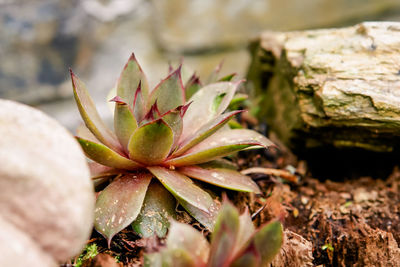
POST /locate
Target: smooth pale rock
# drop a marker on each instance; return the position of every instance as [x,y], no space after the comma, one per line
[19,249]
[46,191]
[334,86]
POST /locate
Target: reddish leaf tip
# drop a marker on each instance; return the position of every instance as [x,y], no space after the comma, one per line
[170,68]
[194,79]
[178,71]
[220,65]
[73,76]
[237,83]
[118,100]
[184,108]
[153,110]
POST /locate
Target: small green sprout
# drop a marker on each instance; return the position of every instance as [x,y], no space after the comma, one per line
[89,252]
[328,246]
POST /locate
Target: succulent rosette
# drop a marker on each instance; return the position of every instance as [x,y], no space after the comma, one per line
[234,242]
[161,137]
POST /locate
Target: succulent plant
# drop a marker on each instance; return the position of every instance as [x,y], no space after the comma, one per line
[234,242]
[161,134]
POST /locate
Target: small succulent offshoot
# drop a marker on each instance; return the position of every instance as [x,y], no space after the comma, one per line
[162,134]
[234,242]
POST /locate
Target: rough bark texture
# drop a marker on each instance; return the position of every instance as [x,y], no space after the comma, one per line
[296,251]
[334,86]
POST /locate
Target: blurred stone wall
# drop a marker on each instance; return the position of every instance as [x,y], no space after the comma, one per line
[200,24]
[41,39]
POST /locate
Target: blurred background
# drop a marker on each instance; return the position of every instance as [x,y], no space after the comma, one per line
[41,39]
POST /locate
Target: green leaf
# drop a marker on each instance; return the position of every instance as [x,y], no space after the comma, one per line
[268,241]
[227,78]
[185,237]
[120,203]
[237,100]
[205,131]
[246,230]
[264,245]
[224,236]
[130,81]
[174,120]
[222,143]
[207,219]
[105,156]
[157,210]
[192,86]
[139,104]
[248,259]
[225,178]
[151,143]
[124,122]
[204,106]
[91,117]
[98,171]
[169,93]
[183,188]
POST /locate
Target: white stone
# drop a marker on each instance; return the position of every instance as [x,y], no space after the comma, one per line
[46,191]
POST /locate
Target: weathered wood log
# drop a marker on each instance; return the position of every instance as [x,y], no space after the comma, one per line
[335,86]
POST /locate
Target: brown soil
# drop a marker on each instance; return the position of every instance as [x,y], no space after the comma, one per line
[352,222]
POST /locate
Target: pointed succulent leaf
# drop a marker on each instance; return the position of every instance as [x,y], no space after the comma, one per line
[246,230]
[98,171]
[227,78]
[157,211]
[124,122]
[174,120]
[90,115]
[237,100]
[169,93]
[139,104]
[187,238]
[248,258]
[152,114]
[264,244]
[234,124]
[207,219]
[151,143]
[120,203]
[222,143]
[183,188]
[205,131]
[192,86]
[268,241]
[224,236]
[208,103]
[105,156]
[130,81]
[218,164]
[225,178]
